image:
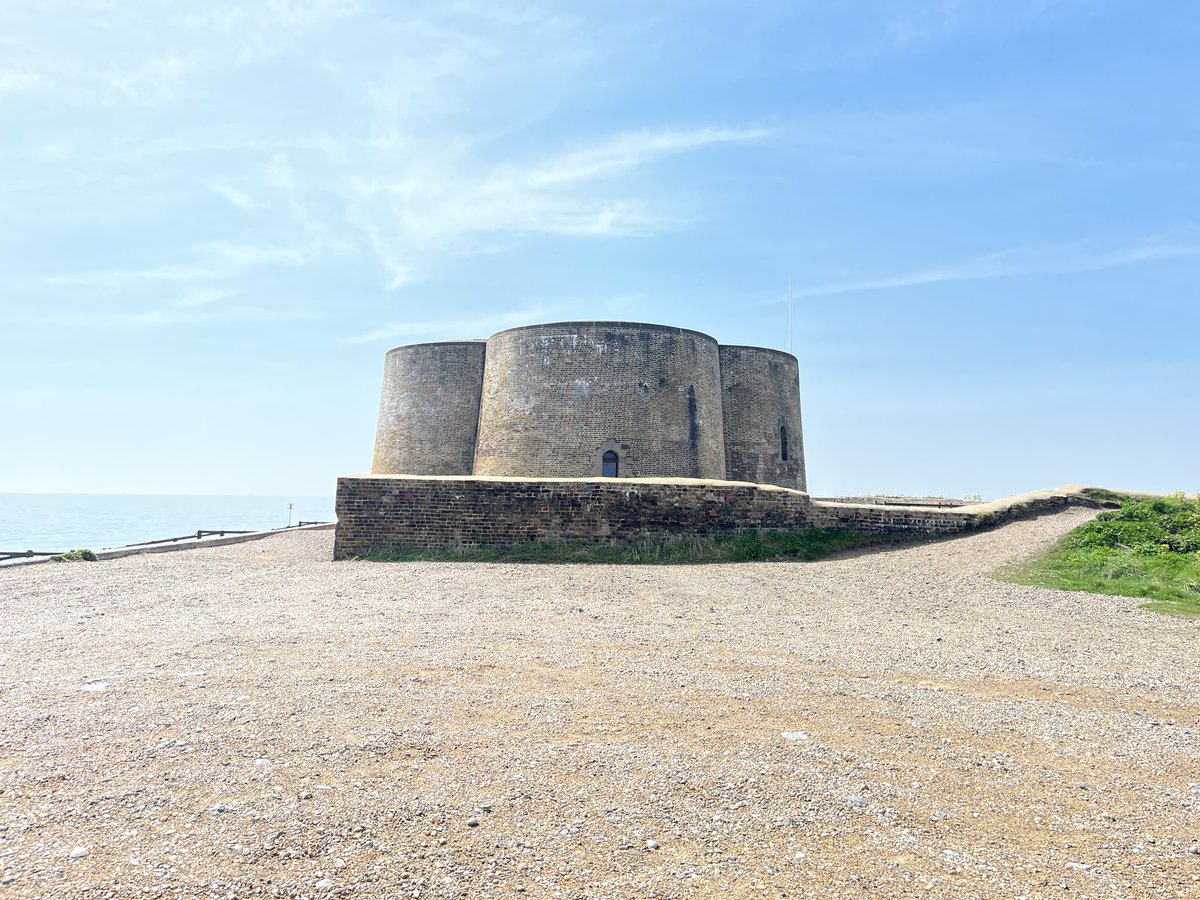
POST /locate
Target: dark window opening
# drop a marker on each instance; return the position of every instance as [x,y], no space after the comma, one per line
[608,466]
[783,442]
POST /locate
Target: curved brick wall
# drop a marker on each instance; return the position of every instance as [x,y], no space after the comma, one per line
[760,392]
[429,409]
[555,397]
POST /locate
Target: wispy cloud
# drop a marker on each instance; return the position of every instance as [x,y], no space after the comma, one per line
[103,51]
[198,298]
[626,151]
[18,80]
[212,262]
[236,197]
[232,315]
[433,208]
[460,328]
[915,24]
[1017,262]
[426,173]
[171,315]
[482,326]
[255,23]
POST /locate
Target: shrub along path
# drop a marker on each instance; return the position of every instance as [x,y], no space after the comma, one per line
[1147,548]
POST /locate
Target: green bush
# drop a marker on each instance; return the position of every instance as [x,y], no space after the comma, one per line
[80,555]
[1145,548]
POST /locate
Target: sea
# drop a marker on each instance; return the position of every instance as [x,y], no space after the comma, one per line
[57,522]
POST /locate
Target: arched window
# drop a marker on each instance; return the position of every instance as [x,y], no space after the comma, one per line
[783,442]
[608,465]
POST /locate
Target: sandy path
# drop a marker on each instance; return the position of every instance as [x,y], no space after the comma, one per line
[257,719]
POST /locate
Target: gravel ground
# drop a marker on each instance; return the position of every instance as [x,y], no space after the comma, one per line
[259,720]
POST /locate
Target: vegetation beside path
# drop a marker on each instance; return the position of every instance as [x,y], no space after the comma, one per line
[1145,548]
[80,555]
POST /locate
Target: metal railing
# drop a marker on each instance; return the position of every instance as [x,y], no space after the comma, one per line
[201,533]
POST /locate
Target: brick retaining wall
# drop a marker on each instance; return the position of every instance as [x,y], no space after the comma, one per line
[378,513]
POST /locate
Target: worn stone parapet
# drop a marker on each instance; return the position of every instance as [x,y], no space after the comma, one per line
[381,513]
[949,520]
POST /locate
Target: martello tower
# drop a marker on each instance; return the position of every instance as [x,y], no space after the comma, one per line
[592,399]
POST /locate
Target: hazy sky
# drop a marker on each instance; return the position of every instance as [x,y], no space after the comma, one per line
[215,218]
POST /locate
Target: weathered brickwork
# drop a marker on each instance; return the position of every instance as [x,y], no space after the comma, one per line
[932,520]
[550,401]
[760,396]
[882,519]
[386,513]
[556,396]
[381,513]
[429,408]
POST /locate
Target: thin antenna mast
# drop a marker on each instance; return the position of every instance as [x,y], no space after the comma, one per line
[788,343]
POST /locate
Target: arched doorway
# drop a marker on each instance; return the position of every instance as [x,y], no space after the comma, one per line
[609,464]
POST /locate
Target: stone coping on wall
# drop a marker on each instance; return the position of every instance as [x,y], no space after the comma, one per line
[1077,493]
[522,479]
[1080,492]
[467,341]
[1002,509]
[608,323]
[758,349]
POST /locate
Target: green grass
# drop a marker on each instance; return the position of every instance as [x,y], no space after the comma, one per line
[1145,548]
[80,555]
[748,546]
[1105,497]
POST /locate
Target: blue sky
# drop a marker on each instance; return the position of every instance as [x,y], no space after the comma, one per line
[215,218]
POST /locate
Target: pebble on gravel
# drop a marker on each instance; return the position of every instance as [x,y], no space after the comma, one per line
[674,707]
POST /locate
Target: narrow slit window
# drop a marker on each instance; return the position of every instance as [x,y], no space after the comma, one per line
[783,442]
[608,466]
